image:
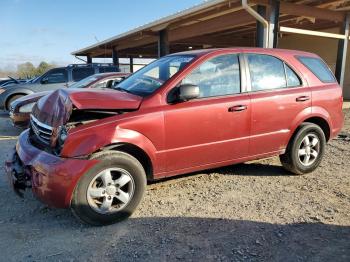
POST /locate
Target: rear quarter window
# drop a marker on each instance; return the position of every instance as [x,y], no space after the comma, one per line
[318,68]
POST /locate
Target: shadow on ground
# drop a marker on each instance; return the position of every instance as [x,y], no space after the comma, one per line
[221,239]
[177,238]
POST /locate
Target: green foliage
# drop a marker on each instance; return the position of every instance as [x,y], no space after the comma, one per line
[28,70]
[43,67]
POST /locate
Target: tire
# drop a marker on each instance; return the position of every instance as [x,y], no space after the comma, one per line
[295,158]
[90,209]
[10,100]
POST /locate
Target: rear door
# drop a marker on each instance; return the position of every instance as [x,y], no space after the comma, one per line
[79,73]
[278,95]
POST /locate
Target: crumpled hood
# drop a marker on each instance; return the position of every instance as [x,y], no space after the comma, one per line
[103,99]
[55,109]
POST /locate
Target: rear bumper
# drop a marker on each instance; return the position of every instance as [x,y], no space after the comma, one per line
[338,124]
[51,178]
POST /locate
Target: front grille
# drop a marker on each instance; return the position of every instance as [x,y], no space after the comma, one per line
[42,131]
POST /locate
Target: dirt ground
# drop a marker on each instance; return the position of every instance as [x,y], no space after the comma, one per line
[249,212]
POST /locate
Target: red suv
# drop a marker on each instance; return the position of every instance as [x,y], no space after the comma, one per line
[94,150]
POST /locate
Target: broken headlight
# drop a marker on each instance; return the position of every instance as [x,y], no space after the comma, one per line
[62,135]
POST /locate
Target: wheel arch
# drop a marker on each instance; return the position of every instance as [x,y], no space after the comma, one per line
[136,152]
[319,120]
[22,92]
[322,123]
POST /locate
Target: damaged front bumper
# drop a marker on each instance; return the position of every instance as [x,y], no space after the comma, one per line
[17,176]
[51,178]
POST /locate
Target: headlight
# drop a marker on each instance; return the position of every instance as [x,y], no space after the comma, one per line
[2,90]
[62,135]
[26,108]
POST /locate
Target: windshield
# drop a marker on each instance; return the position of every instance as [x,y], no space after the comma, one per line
[84,82]
[148,79]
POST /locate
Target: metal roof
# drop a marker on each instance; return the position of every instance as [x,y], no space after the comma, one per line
[217,23]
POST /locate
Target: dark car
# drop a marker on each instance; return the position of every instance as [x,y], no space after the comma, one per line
[20,108]
[94,150]
[11,81]
[53,79]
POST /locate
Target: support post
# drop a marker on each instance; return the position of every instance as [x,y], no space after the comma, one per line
[115,57]
[342,53]
[260,30]
[131,64]
[88,59]
[274,23]
[163,43]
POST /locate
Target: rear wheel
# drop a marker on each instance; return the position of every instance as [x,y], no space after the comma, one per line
[10,100]
[305,150]
[111,190]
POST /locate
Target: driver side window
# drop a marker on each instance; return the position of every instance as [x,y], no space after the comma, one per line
[55,76]
[218,76]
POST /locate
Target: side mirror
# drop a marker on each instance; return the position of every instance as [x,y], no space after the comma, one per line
[44,81]
[188,92]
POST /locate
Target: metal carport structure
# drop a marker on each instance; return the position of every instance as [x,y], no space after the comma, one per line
[227,23]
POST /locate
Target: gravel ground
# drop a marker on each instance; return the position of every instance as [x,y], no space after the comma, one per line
[248,212]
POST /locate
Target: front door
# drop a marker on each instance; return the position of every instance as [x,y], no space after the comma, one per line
[213,128]
[54,79]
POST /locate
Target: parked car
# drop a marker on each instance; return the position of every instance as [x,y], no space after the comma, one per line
[94,150]
[11,81]
[21,108]
[52,80]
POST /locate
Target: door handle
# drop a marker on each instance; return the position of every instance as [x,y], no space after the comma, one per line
[302,98]
[237,108]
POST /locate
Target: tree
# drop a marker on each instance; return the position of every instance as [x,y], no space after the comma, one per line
[26,70]
[43,67]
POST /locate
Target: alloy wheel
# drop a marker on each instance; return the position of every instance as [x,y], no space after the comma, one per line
[110,190]
[309,149]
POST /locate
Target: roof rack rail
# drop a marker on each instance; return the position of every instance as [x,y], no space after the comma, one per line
[91,65]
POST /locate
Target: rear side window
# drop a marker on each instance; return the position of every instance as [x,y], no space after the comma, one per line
[269,72]
[266,72]
[80,73]
[318,67]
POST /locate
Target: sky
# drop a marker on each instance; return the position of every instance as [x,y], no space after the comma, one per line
[47,30]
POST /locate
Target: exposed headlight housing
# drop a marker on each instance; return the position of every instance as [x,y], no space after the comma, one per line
[62,135]
[27,108]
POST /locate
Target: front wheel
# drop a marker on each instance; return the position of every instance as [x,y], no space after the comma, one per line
[111,190]
[305,150]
